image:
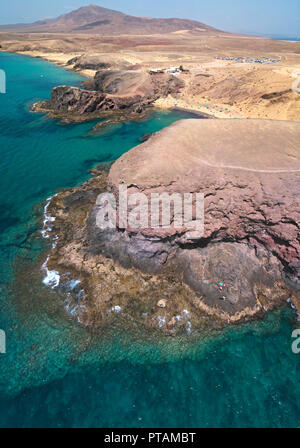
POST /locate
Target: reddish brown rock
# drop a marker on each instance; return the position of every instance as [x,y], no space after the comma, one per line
[114,90]
[245,264]
[248,170]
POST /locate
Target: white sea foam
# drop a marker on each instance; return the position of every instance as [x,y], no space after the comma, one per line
[72,284]
[54,242]
[47,219]
[74,310]
[52,278]
[161,321]
[186,313]
[80,295]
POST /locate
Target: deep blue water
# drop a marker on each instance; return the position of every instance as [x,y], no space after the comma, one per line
[58,374]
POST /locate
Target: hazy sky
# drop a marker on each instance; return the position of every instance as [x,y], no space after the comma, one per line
[276,17]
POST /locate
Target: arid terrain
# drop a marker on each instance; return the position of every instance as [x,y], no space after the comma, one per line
[212,84]
[247,261]
[245,264]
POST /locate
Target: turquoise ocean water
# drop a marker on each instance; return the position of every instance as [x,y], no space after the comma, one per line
[58,374]
[288,38]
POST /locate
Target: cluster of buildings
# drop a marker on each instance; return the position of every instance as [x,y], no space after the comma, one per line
[172,70]
[250,60]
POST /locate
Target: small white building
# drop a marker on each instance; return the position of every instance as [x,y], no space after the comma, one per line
[173,70]
[156,70]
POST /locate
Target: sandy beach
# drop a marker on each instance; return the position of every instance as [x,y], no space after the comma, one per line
[213,84]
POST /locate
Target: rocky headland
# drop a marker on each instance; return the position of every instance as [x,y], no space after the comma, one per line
[226,75]
[116,94]
[245,264]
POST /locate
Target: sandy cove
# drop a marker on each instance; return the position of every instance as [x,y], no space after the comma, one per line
[222,88]
[286,106]
[60,59]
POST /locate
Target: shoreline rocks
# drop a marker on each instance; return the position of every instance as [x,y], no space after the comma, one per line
[246,263]
[248,171]
[112,91]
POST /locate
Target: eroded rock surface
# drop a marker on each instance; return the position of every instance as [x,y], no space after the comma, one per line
[245,264]
[89,62]
[248,171]
[113,90]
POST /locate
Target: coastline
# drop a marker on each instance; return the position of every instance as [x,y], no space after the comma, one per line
[165,103]
[189,106]
[212,98]
[193,113]
[59,59]
[108,284]
[68,260]
[54,353]
[169,103]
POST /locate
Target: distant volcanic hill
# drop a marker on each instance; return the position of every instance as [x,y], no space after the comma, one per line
[97,20]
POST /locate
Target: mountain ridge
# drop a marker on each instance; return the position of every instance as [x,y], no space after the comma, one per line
[98,20]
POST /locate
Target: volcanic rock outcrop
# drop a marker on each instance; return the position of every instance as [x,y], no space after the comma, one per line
[99,61]
[88,62]
[249,173]
[245,263]
[112,90]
